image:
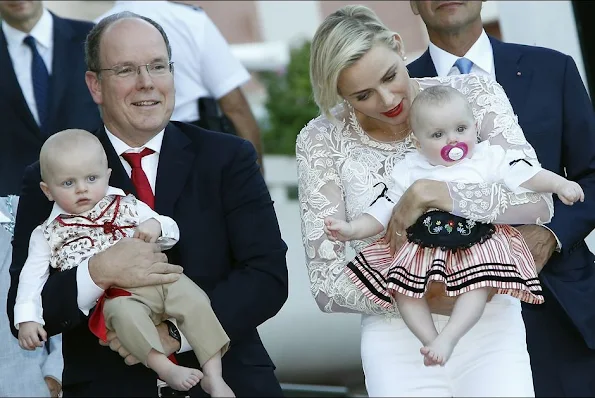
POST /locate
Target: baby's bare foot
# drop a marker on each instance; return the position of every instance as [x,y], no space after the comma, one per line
[428,359]
[181,378]
[438,351]
[216,386]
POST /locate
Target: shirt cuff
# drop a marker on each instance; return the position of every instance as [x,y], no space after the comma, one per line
[28,312]
[184,345]
[381,210]
[169,228]
[519,173]
[88,291]
[558,243]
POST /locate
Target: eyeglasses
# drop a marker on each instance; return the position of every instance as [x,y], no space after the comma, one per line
[156,69]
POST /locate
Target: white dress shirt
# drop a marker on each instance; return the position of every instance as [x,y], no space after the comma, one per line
[36,272]
[203,62]
[488,164]
[21,54]
[480,54]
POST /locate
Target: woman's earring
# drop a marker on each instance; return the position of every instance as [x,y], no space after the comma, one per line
[404,58]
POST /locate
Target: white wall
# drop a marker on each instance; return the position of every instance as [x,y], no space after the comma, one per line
[307,345]
[548,24]
[288,21]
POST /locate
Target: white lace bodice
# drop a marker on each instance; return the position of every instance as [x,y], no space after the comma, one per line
[339,164]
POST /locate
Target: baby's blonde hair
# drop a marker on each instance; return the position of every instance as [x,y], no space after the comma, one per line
[67,143]
[435,96]
[342,39]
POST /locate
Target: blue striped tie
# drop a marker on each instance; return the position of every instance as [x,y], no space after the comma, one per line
[464,65]
[41,82]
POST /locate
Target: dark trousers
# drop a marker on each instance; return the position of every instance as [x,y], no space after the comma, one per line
[562,364]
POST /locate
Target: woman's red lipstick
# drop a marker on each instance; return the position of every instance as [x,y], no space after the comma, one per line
[396,111]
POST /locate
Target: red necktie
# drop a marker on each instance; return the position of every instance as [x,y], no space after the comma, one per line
[138,176]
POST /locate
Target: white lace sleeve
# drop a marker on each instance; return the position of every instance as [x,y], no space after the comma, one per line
[321,194]
[498,124]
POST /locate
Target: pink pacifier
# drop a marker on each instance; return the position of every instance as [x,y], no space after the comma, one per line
[452,153]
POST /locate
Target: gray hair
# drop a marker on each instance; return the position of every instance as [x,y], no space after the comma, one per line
[435,96]
[342,39]
[93,40]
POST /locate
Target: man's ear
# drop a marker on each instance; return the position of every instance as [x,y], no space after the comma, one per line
[109,173]
[413,5]
[46,191]
[94,86]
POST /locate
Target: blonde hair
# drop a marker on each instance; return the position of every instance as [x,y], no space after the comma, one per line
[66,143]
[342,39]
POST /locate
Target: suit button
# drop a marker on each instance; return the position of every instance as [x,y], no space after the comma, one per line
[65,324]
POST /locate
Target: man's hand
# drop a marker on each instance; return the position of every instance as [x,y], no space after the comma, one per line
[440,303]
[114,343]
[541,242]
[170,345]
[53,385]
[132,263]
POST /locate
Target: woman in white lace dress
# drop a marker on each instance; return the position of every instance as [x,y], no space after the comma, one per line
[361,85]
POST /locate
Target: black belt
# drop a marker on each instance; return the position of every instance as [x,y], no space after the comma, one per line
[166,391]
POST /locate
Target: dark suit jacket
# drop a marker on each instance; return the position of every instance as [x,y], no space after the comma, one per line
[556,115]
[70,104]
[230,246]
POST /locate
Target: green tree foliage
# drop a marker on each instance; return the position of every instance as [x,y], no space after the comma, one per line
[290,104]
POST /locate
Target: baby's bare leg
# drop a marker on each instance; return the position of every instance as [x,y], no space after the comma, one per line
[213,382]
[465,314]
[417,316]
[177,377]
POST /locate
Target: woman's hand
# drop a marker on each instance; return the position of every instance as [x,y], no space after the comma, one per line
[417,199]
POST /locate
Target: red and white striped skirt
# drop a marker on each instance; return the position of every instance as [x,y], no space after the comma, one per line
[503,262]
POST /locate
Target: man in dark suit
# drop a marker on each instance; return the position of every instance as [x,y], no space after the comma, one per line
[556,115]
[208,182]
[42,85]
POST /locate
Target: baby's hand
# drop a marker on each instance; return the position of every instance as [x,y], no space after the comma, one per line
[31,335]
[337,229]
[148,230]
[570,192]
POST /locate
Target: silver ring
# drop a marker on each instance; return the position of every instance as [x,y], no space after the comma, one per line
[398,234]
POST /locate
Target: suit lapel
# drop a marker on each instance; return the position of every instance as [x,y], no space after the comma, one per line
[63,47]
[119,177]
[514,77]
[426,66]
[175,163]
[11,92]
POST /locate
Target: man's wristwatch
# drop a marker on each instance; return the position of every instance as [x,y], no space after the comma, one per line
[173,331]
